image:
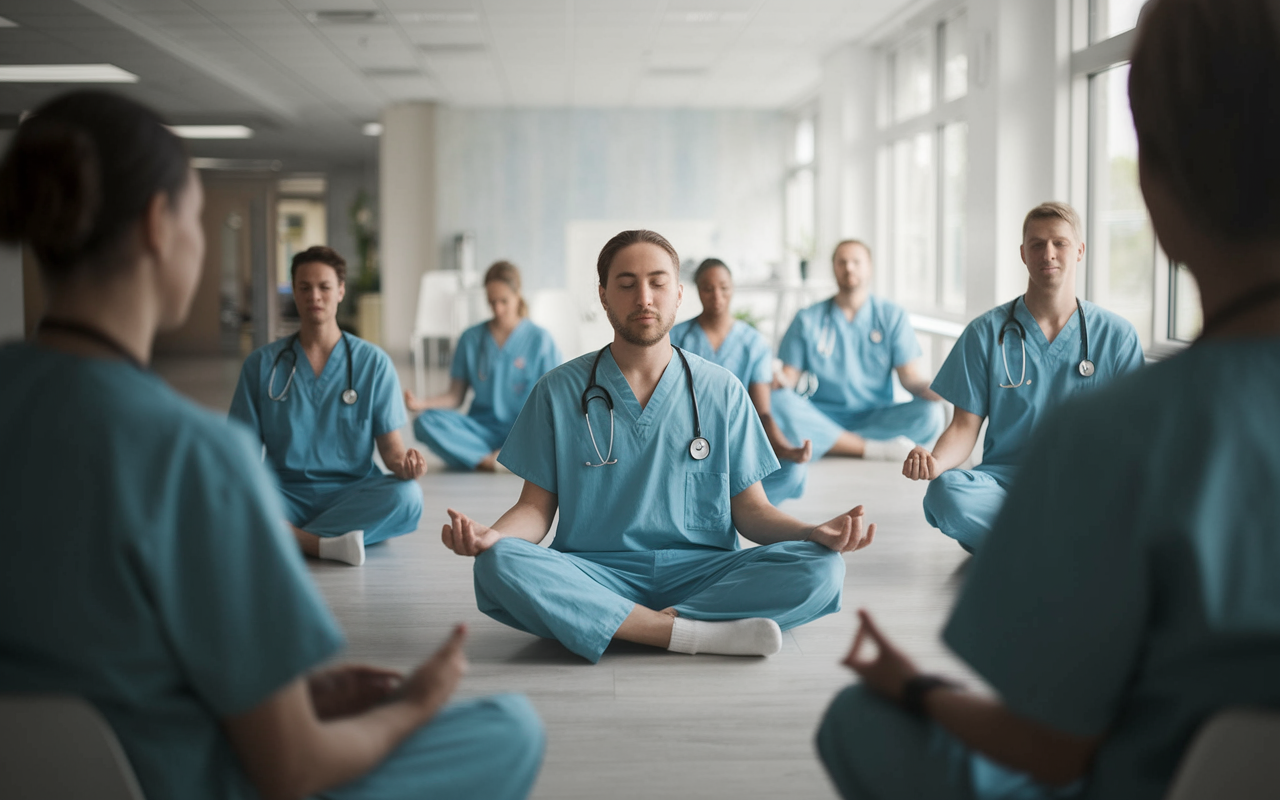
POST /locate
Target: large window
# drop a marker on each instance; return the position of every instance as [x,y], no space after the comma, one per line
[800,198]
[1126,271]
[923,167]
[1122,245]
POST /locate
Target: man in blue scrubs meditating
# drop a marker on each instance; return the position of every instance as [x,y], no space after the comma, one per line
[1128,591]
[1013,365]
[319,400]
[652,487]
[852,344]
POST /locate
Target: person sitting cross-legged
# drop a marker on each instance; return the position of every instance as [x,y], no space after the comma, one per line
[652,490]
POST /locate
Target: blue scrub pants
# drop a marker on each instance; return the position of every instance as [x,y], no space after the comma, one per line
[874,750]
[964,503]
[919,420]
[580,599]
[382,506]
[488,748]
[460,440]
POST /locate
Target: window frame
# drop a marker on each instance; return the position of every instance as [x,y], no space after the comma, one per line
[889,132]
[1089,60]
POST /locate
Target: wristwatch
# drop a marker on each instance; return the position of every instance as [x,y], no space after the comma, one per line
[915,689]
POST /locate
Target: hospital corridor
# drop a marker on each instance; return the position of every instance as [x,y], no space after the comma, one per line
[639,399]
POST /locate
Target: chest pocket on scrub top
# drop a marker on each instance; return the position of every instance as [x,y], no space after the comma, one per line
[354,432]
[706,501]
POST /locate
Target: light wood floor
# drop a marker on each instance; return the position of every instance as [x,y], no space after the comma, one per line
[644,723]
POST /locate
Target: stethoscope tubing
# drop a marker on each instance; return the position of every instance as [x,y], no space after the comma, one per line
[699,448]
[1085,367]
[349,396]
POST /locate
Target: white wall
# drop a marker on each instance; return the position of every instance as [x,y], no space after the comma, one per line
[517,178]
[11,313]
[407,219]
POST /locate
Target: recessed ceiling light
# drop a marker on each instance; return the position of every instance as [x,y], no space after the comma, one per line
[452,48]
[440,17]
[238,164]
[65,73]
[372,129]
[212,131]
[357,17]
[7,23]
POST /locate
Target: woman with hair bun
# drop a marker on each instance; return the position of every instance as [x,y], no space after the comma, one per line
[500,359]
[1128,591]
[143,539]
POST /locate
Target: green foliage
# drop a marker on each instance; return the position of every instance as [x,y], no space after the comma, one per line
[746,316]
[364,230]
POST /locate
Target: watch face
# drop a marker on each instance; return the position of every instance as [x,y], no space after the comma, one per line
[699,448]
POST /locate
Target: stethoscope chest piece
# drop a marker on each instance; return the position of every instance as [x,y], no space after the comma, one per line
[699,448]
[1086,368]
[877,337]
[349,397]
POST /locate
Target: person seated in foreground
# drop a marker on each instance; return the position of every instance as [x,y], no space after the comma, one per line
[851,345]
[652,489]
[319,401]
[1127,592]
[1013,365]
[501,360]
[155,576]
[738,347]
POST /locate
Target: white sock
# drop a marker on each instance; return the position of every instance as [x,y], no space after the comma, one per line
[895,449]
[757,636]
[347,548]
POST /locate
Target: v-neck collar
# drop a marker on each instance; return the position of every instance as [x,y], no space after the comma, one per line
[861,319]
[1068,332]
[626,399]
[318,382]
[518,330]
[702,332]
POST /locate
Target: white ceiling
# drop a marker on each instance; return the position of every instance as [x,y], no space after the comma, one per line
[271,64]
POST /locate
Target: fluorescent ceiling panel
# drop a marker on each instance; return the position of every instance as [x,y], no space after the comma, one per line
[65,73]
[372,129]
[7,23]
[212,131]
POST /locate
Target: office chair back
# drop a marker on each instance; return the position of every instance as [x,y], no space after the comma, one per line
[58,747]
[1235,755]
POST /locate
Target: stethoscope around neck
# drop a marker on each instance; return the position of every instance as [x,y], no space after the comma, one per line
[349,396]
[699,448]
[1085,367]
[828,334]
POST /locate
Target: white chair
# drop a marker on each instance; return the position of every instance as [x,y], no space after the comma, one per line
[1236,755]
[438,319]
[58,747]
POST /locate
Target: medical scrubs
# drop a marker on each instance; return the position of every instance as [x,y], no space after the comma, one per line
[502,378]
[1128,589]
[963,503]
[854,362]
[744,352]
[148,571]
[321,448]
[653,529]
